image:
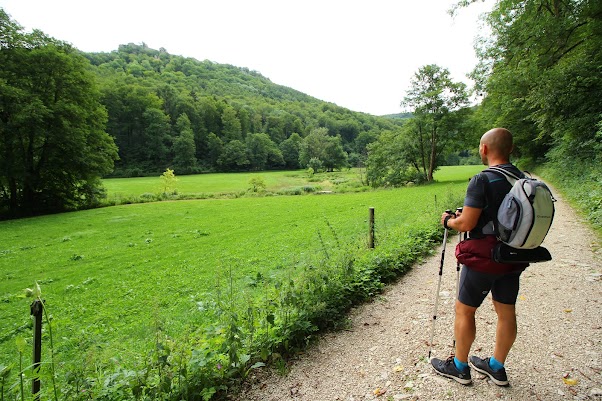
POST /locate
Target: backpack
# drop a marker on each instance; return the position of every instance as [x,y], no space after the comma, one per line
[526,213]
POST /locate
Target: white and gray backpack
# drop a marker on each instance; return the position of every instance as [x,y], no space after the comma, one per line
[526,213]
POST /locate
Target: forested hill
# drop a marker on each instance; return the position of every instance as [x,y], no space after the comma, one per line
[201,77]
[172,111]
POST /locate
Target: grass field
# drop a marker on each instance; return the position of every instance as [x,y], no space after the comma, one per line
[202,183]
[276,181]
[112,276]
[227,183]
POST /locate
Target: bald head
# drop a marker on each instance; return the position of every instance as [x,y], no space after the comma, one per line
[496,146]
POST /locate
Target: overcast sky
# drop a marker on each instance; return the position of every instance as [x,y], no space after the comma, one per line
[358,54]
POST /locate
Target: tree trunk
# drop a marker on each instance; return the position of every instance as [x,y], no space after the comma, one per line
[14,201]
[422,152]
[433,157]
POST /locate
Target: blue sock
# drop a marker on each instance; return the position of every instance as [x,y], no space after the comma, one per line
[495,364]
[461,366]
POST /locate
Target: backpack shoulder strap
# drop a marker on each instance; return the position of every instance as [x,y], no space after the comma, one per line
[511,177]
[490,214]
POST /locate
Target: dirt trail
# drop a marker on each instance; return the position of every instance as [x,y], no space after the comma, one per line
[383,355]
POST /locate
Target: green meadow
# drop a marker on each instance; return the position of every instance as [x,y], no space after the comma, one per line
[212,183]
[112,278]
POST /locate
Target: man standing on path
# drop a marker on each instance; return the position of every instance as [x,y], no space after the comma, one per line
[480,273]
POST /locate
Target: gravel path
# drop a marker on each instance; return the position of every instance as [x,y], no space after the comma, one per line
[557,355]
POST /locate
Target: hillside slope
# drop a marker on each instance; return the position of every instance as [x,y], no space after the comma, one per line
[148,92]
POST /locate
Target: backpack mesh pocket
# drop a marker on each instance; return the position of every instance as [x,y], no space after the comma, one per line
[509,215]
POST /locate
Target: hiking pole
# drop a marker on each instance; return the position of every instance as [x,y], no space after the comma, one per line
[438,288]
[458,210]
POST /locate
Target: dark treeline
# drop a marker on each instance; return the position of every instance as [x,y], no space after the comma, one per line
[195,116]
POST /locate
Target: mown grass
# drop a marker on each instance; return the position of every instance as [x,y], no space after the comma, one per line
[113,278]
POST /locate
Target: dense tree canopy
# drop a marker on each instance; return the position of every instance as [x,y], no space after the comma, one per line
[224,104]
[263,153]
[52,139]
[387,164]
[184,148]
[541,75]
[323,148]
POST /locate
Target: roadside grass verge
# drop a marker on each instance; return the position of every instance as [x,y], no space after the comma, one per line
[179,300]
[583,190]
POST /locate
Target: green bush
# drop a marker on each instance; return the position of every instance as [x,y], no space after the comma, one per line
[148,197]
[581,184]
[291,191]
[315,164]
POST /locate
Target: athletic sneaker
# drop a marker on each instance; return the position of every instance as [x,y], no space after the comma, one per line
[482,365]
[448,368]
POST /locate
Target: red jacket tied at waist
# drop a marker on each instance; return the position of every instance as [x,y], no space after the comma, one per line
[476,253]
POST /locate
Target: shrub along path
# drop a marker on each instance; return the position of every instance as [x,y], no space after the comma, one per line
[382,356]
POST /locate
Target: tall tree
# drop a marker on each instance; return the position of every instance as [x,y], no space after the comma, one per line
[184,148]
[432,97]
[232,129]
[323,147]
[399,156]
[233,157]
[335,156]
[262,152]
[385,165]
[542,75]
[157,138]
[130,116]
[52,139]
[215,147]
[290,151]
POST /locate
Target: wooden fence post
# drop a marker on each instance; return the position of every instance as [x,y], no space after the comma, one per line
[371,237]
[37,309]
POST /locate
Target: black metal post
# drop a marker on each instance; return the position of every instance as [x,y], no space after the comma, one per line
[37,309]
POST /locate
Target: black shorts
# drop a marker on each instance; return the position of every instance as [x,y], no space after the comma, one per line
[474,287]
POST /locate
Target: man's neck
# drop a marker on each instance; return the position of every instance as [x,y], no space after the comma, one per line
[497,162]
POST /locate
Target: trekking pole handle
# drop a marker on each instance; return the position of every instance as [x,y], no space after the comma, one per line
[449,216]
